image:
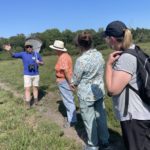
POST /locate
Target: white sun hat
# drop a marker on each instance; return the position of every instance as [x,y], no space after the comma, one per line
[58,45]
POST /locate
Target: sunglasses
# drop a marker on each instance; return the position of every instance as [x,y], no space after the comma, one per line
[28,46]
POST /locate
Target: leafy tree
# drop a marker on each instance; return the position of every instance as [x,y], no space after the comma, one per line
[140,35]
[68,36]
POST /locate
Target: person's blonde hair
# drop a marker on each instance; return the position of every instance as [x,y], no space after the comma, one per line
[127,39]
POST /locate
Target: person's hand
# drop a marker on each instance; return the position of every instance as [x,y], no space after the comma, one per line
[72,87]
[113,57]
[7,47]
[37,61]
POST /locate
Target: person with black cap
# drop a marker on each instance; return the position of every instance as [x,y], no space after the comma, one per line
[31,61]
[121,70]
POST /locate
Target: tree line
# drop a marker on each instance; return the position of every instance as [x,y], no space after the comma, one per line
[49,35]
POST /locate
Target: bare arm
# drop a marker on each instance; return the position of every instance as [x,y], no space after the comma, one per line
[67,76]
[72,87]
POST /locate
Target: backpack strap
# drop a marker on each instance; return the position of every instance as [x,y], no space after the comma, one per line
[126,101]
[127,97]
[132,52]
[133,89]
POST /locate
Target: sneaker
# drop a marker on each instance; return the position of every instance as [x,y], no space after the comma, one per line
[106,146]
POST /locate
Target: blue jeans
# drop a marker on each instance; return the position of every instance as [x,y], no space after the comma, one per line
[68,100]
[94,118]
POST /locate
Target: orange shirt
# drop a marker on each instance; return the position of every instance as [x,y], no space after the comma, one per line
[64,62]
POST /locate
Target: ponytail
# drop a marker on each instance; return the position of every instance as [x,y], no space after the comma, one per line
[127,40]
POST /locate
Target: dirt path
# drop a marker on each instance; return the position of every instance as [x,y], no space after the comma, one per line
[50,107]
[49,103]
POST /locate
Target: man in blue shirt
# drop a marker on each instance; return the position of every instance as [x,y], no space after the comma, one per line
[31,61]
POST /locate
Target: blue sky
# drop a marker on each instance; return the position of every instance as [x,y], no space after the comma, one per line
[31,16]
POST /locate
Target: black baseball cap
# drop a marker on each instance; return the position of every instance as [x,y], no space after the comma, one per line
[115,28]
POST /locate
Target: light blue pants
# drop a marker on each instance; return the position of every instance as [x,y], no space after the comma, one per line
[68,100]
[94,118]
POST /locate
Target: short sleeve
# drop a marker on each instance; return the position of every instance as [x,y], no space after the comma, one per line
[126,63]
[65,62]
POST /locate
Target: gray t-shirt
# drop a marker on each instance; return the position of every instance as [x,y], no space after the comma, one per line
[136,108]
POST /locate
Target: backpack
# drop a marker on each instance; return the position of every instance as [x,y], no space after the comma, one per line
[143,68]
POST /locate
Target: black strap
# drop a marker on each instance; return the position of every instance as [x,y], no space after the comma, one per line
[126,101]
[133,89]
[127,97]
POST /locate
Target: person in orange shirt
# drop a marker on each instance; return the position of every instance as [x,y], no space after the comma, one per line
[63,69]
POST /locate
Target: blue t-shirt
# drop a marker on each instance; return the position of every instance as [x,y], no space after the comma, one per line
[29,62]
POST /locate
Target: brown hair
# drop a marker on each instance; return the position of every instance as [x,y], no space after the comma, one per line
[84,40]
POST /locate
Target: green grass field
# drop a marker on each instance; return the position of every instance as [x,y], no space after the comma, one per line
[28,130]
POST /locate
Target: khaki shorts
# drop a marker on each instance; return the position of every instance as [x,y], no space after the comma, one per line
[31,80]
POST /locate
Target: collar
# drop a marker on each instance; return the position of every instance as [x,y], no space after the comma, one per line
[89,51]
[132,46]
